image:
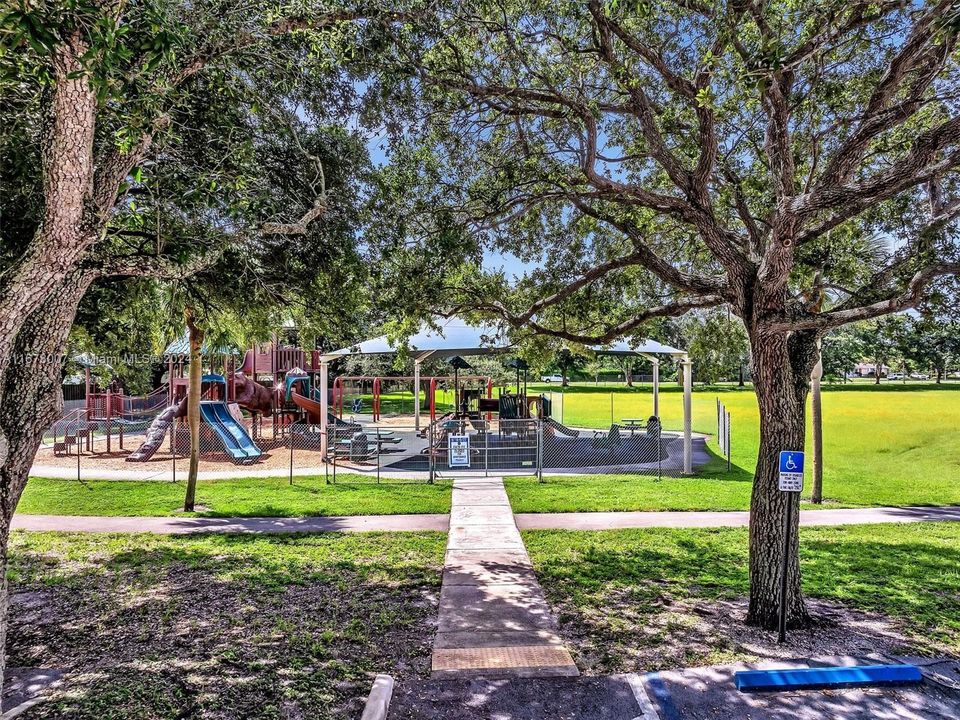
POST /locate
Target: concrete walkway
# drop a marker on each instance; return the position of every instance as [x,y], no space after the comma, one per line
[184,525]
[439,522]
[494,620]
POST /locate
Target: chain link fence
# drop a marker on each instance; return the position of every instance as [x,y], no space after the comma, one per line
[452,447]
[586,440]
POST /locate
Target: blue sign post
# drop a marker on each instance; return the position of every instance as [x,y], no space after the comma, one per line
[790,482]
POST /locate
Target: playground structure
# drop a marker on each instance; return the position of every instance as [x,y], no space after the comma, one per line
[111,417]
[223,426]
[512,430]
[466,399]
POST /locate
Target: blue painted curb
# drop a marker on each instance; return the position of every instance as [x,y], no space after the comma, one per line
[827,677]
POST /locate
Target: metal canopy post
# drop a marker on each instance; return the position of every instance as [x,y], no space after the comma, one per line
[687,415]
[324,377]
[416,394]
[656,386]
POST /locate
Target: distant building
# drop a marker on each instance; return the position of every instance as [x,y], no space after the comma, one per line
[865,369]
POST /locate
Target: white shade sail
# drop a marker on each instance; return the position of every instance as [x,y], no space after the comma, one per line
[458,337]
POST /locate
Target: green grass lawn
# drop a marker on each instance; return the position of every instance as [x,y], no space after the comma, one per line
[217,626]
[891,444]
[245,497]
[652,599]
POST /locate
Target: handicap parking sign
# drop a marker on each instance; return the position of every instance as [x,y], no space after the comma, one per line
[791,471]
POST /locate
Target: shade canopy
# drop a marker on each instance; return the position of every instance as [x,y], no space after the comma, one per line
[644,347]
[458,337]
[181,346]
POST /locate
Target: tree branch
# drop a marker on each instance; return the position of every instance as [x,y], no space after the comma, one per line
[610,334]
[155,266]
[904,300]
[877,117]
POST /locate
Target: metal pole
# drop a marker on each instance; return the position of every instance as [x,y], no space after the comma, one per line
[77,436]
[656,388]
[787,527]
[659,451]
[324,384]
[416,395]
[173,446]
[291,452]
[431,459]
[727,440]
[377,451]
[486,453]
[109,413]
[687,416]
[540,449]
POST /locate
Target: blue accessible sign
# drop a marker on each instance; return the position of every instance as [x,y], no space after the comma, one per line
[791,471]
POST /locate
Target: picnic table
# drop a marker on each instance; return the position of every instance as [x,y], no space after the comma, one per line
[634,424]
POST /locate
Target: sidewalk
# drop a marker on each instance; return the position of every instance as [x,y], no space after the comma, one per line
[185,525]
[494,620]
[440,522]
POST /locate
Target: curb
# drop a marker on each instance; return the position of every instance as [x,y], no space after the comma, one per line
[378,702]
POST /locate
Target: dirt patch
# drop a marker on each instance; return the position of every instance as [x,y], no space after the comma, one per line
[631,636]
[162,631]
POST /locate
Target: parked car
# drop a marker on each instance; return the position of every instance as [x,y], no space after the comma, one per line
[552,378]
[919,376]
[894,376]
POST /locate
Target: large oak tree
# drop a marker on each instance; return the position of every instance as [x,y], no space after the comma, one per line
[794,160]
[135,133]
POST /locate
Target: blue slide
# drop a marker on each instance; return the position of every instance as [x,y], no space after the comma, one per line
[235,439]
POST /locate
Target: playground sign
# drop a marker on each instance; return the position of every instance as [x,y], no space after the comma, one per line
[791,471]
[459,450]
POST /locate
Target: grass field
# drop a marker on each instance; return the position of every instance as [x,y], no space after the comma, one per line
[244,497]
[883,445]
[651,599]
[221,626]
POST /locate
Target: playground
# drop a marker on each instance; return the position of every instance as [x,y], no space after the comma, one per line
[280,407]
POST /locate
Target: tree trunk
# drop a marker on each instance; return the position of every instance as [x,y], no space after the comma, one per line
[30,401]
[740,381]
[816,417]
[781,376]
[193,405]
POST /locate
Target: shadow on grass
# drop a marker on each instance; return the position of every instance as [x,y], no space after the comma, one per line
[716,468]
[232,626]
[892,386]
[620,589]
